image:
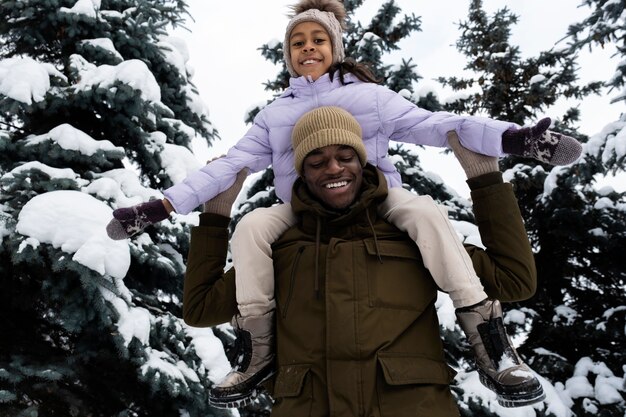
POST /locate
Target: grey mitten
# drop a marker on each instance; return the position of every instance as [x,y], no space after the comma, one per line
[474,164]
[130,221]
[542,144]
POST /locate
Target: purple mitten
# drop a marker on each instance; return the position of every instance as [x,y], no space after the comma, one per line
[129,221]
[542,144]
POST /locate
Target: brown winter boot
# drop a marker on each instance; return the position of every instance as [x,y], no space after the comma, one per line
[499,366]
[255,361]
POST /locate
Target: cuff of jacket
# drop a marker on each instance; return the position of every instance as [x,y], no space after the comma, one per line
[485,180]
[209,239]
[214,220]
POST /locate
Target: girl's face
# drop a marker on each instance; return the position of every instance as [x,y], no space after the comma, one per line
[311,49]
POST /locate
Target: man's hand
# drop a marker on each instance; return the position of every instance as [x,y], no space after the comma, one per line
[222,203]
[474,164]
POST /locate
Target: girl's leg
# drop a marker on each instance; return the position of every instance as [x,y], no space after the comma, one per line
[254,281]
[251,247]
[444,255]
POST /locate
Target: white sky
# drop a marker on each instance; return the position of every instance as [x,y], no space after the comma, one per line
[229,69]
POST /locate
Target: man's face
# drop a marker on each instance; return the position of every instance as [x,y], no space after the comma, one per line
[333,175]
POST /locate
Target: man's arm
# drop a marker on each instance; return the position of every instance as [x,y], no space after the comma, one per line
[507,266]
[208,292]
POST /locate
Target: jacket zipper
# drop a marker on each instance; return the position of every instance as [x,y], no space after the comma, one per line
[313,89]
[292,280]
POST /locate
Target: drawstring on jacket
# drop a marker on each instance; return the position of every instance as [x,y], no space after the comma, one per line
[369,220]
[318,229]
[318,232]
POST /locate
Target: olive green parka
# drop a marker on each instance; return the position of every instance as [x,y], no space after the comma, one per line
[356,325]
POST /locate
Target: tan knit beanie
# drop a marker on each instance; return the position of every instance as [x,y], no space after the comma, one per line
[326,126]
[329,14]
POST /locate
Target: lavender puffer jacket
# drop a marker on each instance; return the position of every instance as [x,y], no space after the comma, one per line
[383,115]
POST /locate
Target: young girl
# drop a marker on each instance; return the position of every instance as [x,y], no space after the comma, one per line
[314,56]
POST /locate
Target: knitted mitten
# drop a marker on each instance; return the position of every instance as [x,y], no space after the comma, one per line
[474,164]
[222,203]
[542,144]
[129,221]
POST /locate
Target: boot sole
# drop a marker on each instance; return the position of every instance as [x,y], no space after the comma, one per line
[234,402]
[241,399]
[513,400]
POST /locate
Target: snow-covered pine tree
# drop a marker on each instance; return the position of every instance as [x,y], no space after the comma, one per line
[596,300]
[97,111]
[574,324]
[506,86]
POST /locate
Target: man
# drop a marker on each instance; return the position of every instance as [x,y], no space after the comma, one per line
[356,326]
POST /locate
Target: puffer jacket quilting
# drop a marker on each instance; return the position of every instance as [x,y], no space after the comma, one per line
[383,115]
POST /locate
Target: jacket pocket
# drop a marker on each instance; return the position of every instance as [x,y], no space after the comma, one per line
[414,386]
[293,391]
[396,276]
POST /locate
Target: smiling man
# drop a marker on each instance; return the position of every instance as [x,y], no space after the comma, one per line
[334,175]
[356,328]
[330,155]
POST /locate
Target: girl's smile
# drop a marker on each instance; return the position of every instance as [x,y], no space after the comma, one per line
[311,50]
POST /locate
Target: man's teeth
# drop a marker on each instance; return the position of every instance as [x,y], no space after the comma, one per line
[309,61]
[337,184]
